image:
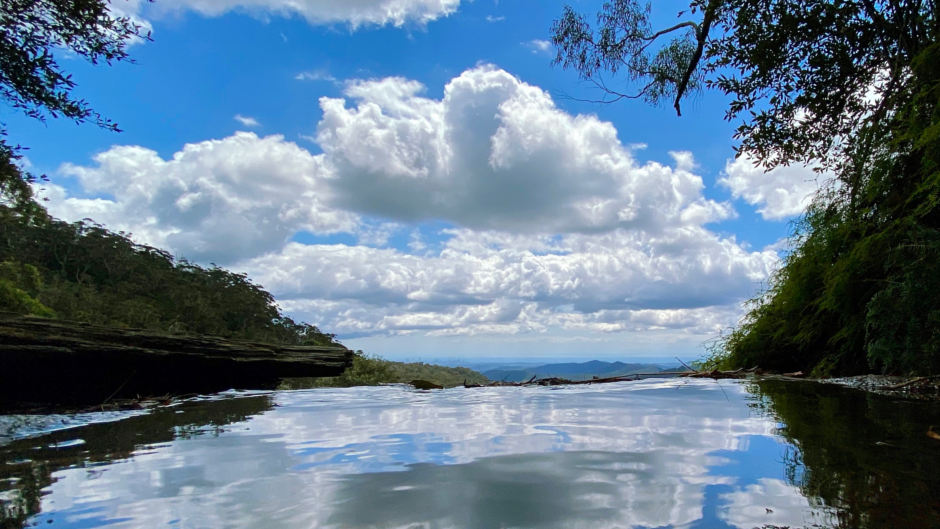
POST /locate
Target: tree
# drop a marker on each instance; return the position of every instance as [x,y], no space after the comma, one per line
[32,30]
[31,80]
[849,85]
[803,75]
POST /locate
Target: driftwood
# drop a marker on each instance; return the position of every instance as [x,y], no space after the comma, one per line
[61,362]
[922,388]
[714,374]
[916,381]
[557,381]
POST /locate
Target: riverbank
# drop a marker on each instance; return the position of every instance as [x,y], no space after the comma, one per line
[909,387]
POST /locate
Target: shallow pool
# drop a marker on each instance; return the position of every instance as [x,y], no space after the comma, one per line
[653,453]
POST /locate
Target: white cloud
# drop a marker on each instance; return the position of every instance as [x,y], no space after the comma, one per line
[247,121]
[539,46]
[782,192]
[356,13]
[495,153]
[494,18]
[131,9]
[318,74]
[746,507]
[686,280]
[645,456]
[217,200]
[548,221]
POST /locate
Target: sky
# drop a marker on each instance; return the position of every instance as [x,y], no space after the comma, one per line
[416,177]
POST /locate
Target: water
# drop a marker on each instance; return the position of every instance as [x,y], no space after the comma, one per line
[674,453]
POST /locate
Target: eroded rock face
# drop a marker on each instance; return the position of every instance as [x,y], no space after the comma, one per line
[60,362]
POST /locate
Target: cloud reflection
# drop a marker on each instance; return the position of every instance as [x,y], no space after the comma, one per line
[642,454]
[559,489]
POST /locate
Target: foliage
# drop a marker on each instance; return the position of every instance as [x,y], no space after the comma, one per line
[802,74]
[19,285]
[368,370]
[441,375]
[31,80]
[16,192]
[32,31]
[857,292]
[82,271]
[850,86]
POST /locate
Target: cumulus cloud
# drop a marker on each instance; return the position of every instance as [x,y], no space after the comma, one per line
[688,280]
[218,200]
[544,220]
[496,153]
[356,13]
[782,192]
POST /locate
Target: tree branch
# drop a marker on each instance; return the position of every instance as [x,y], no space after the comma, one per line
[680,25]
[701,37]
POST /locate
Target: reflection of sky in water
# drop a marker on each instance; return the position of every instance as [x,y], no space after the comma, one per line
[641,454]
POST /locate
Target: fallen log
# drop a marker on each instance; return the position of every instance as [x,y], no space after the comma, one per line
[557,381]
[63,362]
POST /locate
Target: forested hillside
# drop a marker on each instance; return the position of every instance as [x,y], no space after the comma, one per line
[82,271]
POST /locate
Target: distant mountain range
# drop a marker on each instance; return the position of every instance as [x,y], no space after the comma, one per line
[572,370]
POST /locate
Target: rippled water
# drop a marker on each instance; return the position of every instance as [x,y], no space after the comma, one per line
[674,453]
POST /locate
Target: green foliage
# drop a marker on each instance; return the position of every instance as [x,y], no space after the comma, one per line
[16,192]
[368,370]
[800,73]
[850,86]
[623,43]
[859,291]
[902,320]
[84,272]
[19,285]
[33,31]
[444,376]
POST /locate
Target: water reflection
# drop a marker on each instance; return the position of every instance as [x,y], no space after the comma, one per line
[692,454]
[27,466]
[570,489]
[868,456]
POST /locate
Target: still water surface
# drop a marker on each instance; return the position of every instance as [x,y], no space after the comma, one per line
[655,453]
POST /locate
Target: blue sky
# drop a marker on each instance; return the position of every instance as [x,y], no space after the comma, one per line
[415,176]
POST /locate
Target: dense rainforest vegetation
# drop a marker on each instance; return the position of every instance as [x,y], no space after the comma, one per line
[848,87]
